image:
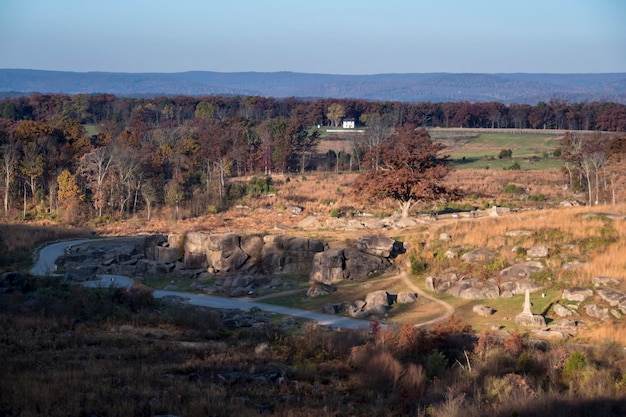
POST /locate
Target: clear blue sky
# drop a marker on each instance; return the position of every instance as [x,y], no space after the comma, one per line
[315,36]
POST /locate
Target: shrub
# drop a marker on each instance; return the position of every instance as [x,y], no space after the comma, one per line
[574,365]
[382,373]
[382,214]
[537,197]
[512,189]
[417,265]
[505,154]
[335,212]
[494,266]
[260,185]
[435,363]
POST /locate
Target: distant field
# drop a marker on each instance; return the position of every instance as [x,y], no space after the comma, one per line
[91,129]
[481,150]
[477,150]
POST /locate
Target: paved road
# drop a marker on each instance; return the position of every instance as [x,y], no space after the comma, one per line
[48,255]
[245,304]
[46,266]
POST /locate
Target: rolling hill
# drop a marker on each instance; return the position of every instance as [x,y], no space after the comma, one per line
[417,87]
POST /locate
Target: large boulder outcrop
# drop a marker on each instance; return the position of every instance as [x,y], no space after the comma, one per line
[335,265]
[377,302]
[229,252]
[614,297]
[443,282]
[284,254]
[605,281]
[539,251]
[596,312]
[478,256]
[521,270]
[329,267]
[482,310]
[224,253]
[378,245]
[562,311]
[474,290]
[577,294]
[360,265]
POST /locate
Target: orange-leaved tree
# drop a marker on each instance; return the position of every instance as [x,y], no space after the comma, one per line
[69,195]
[409,168]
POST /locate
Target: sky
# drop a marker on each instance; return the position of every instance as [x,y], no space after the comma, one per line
[315,36]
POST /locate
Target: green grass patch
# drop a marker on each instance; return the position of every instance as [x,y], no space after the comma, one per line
[91,129]
[161,281]
[530,151]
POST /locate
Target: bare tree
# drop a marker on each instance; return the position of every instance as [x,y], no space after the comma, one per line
[598,161]
[94,166]
[127,169]
[8,164]
[379,129]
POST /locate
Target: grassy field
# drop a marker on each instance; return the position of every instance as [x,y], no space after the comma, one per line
[531,151]
[481,151]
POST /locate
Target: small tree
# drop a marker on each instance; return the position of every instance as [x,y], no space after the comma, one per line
[410,168]
[69,195]
[335,113]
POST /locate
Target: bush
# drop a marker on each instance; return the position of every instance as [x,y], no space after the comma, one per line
[574,365]
[417,265]
[260,185]
[537,197]
[505,154]
[435,363]
[335,212]
[512,189]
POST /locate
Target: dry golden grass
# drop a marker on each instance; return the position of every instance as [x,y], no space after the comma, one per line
[614,332]
[556,228]
[491,183]
[573,234]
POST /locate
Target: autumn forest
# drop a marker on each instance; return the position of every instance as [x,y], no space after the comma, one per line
[75,158]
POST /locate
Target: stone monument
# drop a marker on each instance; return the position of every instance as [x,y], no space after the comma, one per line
[526,317]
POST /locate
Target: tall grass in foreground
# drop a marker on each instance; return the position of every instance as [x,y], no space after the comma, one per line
[18,237]
[18,240]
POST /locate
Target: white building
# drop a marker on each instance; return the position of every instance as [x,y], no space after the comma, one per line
[348,123]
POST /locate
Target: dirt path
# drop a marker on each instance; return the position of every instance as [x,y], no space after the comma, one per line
[449,309]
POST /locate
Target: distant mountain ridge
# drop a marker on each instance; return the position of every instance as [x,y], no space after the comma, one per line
[416,87]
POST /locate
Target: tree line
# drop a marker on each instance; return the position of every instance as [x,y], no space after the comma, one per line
[99,155]
[118,112]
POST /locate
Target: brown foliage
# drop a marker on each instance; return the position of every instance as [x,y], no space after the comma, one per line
[406,168]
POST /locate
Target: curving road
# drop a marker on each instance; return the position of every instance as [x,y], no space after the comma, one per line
[45,266]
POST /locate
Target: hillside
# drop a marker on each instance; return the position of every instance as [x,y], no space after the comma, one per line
[434,87]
